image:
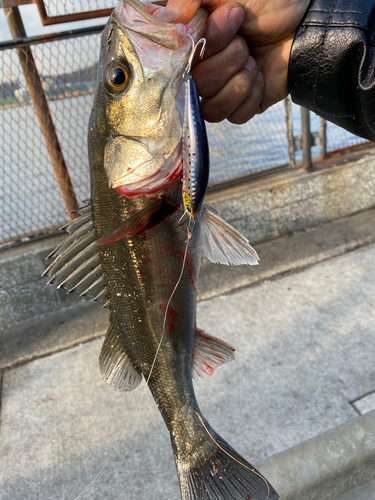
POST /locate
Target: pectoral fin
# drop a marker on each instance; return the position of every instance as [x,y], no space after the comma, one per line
[143,220]
[222,243]
[115,365]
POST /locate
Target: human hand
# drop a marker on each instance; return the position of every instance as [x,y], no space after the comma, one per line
[240,76]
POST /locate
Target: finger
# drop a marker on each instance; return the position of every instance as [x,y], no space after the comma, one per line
[185,9]
[251,104]
[223,104]
[222,26]
[212,74]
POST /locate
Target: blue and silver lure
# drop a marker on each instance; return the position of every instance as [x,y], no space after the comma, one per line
[195,153]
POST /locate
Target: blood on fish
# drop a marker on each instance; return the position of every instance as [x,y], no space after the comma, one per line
[209,370]
[248,496]
[173,176]
[170,328]
[171,313]
[190,270]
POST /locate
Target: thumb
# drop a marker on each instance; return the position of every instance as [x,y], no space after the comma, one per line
[183,11]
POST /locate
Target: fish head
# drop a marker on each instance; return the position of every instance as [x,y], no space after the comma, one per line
[137,105]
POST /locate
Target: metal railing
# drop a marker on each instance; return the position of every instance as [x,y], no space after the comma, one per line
[46,94]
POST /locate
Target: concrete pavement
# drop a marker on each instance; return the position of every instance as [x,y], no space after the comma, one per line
[305,355]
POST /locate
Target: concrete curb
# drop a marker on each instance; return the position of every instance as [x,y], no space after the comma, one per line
[328,466]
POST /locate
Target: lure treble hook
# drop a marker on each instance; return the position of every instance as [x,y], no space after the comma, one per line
[194,49]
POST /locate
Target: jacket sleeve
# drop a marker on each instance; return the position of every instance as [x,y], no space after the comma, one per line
[332,64]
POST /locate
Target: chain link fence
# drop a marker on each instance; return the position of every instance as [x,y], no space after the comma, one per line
[32,199]
[56,8]
[338,138]
[258,145]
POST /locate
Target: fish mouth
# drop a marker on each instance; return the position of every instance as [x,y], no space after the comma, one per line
[138,164]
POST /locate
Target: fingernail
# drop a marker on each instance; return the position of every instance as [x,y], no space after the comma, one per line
[259,77]
[236,16]
[250,65]
[166,15]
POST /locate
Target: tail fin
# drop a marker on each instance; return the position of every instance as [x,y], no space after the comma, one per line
[212,470]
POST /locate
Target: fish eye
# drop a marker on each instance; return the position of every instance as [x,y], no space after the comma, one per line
[117,77]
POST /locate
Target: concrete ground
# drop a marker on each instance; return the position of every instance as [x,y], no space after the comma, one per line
[304,365]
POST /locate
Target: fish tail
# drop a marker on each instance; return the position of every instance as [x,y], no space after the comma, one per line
[210,469]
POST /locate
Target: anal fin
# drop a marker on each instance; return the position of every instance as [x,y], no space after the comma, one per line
[209,353]
[115,365]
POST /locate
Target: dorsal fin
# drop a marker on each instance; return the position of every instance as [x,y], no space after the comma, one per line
[76,266]
[115,365]
[222,243]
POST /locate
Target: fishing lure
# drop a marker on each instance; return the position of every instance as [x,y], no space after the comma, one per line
[195,152]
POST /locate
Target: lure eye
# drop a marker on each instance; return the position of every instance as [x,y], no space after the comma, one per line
[117,77]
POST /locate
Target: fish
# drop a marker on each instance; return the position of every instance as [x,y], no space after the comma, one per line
[132,248]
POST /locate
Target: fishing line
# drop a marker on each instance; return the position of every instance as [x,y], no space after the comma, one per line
[233,458]
[190,228]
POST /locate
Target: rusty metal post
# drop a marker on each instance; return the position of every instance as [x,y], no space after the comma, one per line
[41,108]
[306,137]
[289,131]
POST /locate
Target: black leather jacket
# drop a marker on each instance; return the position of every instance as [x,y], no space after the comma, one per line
[332,63]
